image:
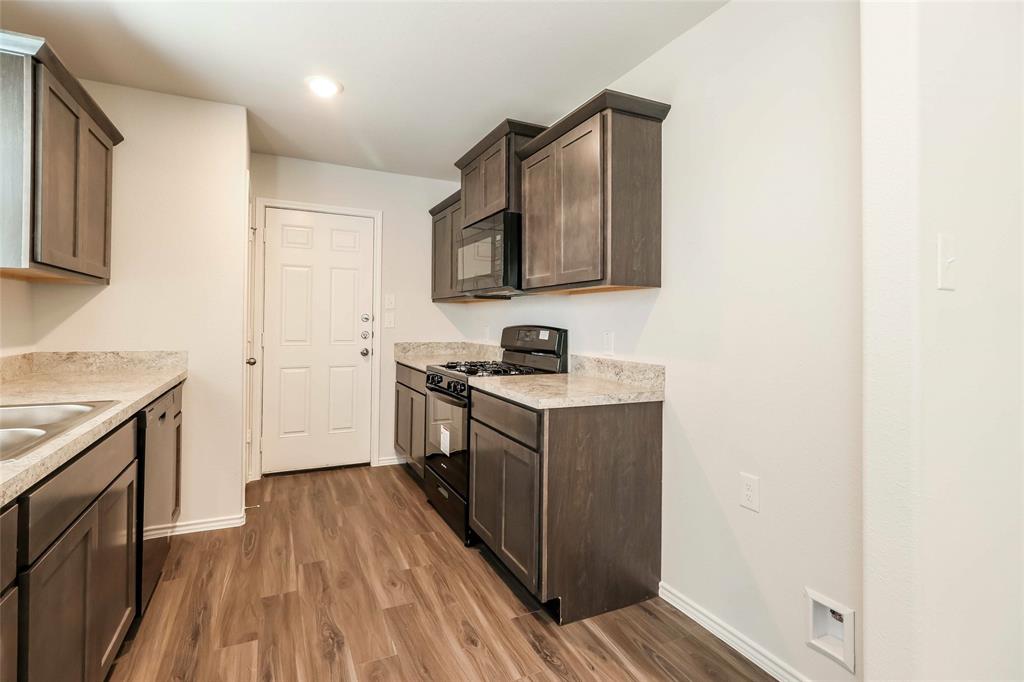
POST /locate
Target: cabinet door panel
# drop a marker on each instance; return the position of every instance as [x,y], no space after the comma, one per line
[58,136]
[417,428]
[403,420]
[456,227]
[540,218]
[442,256]
[494,163]
[485,489]
[58,591]
[94,191]
[9,636]
[520,511]
[113,587]
[473,192]
[580,246]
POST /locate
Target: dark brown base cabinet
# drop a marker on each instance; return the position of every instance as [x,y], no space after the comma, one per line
[77,594]
[570,500]
[410,416]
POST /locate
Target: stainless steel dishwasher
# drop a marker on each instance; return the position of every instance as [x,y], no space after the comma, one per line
[159,488]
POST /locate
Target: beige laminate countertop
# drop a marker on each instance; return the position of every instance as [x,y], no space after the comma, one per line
[592,380]
[132,380]
[553,391]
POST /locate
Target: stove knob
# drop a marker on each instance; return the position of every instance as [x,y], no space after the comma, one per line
[461,387]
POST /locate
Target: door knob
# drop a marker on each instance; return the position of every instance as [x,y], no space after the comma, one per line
[364,352]
[365,335]
[251,361]
[364,317]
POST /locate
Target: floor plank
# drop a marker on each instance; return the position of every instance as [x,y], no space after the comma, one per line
[348,574]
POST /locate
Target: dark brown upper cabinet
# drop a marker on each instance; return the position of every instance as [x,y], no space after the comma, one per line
[592,198]
[57,150]
[490,171]
[446,218]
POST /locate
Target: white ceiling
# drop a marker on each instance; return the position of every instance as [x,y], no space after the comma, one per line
[423,81]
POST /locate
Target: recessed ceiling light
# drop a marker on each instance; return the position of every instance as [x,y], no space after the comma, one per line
[322,86]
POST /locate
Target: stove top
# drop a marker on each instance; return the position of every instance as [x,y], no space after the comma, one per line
[487,368]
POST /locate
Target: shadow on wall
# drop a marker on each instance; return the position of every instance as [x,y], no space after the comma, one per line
[62,301]
[711,529]
[586,316]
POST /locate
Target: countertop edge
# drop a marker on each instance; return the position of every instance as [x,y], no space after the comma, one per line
[77,440]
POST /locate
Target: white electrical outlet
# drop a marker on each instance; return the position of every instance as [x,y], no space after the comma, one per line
[750,492]
[947,263]
[608,342]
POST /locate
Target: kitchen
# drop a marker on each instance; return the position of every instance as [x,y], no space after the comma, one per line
[411,363]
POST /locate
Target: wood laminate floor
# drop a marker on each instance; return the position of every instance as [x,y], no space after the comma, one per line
[348,574]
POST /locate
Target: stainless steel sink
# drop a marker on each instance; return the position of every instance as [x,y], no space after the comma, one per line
[23,427]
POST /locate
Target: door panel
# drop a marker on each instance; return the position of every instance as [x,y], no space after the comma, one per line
[473,192]
[58,136]
[494,163]
[9,636]
[318,287]
[520,511]
[94,192]
[417,428]
[403,420]
[113,589]
[58,591]
[485,488]
[442,256]
[540,218]
[580,244]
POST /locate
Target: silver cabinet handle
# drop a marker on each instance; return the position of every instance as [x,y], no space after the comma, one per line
[444,493]
[364,352]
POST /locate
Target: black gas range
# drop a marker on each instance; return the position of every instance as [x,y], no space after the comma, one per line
[526,349]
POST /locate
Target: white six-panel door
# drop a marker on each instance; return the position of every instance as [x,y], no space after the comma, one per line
[317,325]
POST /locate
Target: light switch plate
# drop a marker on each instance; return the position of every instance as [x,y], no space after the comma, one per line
[389,301]
[389,319]
[947,263]
[608,342]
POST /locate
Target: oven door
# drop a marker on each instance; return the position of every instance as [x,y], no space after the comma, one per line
[448,439]
[487,255]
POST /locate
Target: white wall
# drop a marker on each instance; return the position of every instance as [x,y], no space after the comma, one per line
[758,317]
[178,256]
[943,456]
[404,201]
[16,333]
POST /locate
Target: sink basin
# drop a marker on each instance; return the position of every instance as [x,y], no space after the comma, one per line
[23,427]
[27,416]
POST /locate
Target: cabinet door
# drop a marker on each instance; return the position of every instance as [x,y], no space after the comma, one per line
[485,491]
[520,511]
[418,429]
[473,192]
[580,245]
[441,262]
[58,591]
[112,599]
[58,138]
[541,219]
[95,168]
[403,420]
[456,227]
[9,636]
[494,165]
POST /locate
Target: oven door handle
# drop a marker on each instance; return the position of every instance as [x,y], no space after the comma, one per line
[445,398]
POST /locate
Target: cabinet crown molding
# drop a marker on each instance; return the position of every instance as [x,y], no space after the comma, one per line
[606,99]
[506,127]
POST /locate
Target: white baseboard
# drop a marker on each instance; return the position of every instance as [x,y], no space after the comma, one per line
[754,652]
[385,461]
[194,526]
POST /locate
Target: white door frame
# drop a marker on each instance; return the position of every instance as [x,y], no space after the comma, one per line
[254,469]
